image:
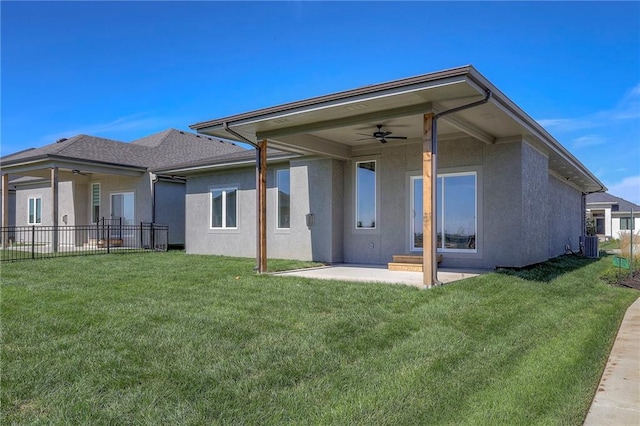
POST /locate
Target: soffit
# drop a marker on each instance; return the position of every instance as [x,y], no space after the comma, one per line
[332,127]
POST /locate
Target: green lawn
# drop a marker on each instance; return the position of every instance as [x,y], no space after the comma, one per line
[609,245]
[166,338]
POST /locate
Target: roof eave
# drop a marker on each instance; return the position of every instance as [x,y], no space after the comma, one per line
[33,163]
[207,166]
[361,91]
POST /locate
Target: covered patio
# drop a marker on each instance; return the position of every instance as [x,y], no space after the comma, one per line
[449,105]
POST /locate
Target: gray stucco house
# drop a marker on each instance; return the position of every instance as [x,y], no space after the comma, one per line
[78,181]
[443,163]
[613,216]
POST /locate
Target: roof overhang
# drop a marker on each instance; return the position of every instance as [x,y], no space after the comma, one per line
[330,125]
[41,166]
[222,163]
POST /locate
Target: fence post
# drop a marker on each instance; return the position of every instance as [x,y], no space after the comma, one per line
[141,235]
[33,241]
[631,262]
[108,239]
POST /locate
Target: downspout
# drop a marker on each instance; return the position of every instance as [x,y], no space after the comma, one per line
[434,150]
[258,170]
[153,198]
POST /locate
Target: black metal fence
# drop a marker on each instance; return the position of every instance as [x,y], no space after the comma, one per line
[36,242]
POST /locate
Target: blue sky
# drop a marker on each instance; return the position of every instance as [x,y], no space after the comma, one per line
[123,70]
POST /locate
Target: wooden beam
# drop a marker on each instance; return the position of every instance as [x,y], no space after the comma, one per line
[261,193]
[429,180]
[54,207]
[306,143]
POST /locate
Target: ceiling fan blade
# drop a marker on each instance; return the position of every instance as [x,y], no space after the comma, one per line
[383,140]
[395,137]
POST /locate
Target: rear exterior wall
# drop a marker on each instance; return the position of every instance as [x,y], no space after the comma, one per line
[316,202]
[565,212]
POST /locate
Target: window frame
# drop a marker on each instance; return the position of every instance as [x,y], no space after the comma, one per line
[278,209]
[92,205]
[441,210]
[629,222]
[37,202]
[124,193]
[375,196]
[225,190]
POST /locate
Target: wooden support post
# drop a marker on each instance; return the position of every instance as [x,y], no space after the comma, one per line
[54,207]
[429,181]
[261,193]
[5,209]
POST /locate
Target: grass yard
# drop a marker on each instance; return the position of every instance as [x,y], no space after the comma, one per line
[167,338]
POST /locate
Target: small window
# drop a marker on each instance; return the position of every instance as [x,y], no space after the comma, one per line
[626,223]
[284,196]
[35,211]
[224,208]
[95,202]
[366,195]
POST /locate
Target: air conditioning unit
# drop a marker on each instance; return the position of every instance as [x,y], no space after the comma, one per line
[590,245]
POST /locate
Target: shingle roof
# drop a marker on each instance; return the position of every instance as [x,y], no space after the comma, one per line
[231,158]
[85,147]
[158,150]
[175,146]
[606,198]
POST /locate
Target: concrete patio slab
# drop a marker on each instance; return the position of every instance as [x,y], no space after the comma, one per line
[378,274]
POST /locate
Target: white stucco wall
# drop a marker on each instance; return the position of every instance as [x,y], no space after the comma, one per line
[315,242]
[524,215]
[565,210]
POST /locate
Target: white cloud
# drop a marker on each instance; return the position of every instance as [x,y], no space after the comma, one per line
[628,188]
[628,108]
[127,123]
[588,140]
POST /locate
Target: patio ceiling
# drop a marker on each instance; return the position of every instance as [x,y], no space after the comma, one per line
[330,125]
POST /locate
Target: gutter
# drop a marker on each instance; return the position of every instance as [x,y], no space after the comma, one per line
[365,90]
[533,126]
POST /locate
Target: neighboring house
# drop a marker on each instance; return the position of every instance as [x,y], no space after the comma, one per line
[507,193]
[87,178]
[613,215]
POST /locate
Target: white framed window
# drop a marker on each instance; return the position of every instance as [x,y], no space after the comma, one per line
[224,208]
[35,211]
[95,202]
[457,212]
[626,223]
[283,178]
[416,222]
[366,194]
[123,207]
[457,202]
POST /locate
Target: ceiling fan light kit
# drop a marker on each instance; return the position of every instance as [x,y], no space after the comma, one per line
[380,135]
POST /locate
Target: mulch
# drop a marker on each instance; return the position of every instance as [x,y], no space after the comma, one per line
[631,281]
